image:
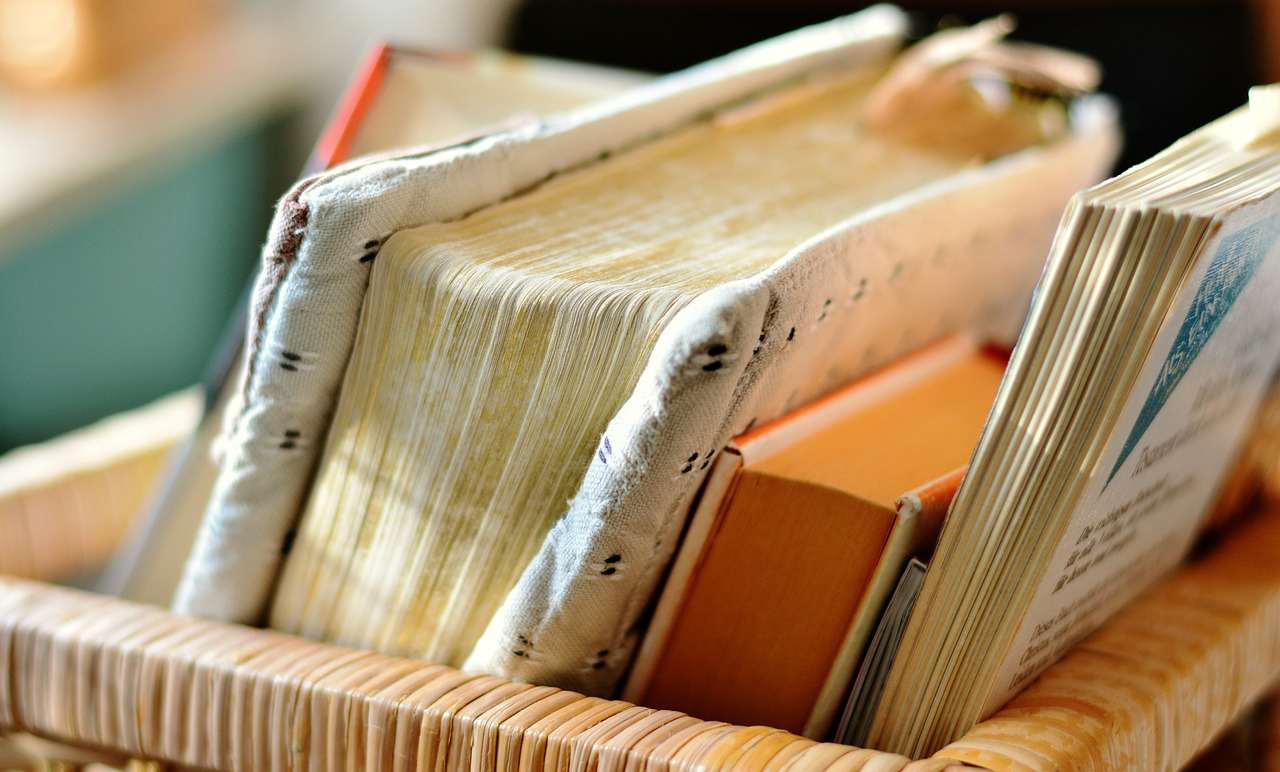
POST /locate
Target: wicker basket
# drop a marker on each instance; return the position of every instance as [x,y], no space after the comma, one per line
[104,681]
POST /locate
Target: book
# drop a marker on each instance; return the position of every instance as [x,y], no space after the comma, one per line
[1152,339]
[709,240]
[864,695]
[800,533]
[1161,680]
[402,98]
[397,98]
[488,321]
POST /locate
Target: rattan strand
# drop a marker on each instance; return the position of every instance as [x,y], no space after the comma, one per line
[137,680]
[1176,666]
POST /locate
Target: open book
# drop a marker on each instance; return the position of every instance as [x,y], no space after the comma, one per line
[587,308]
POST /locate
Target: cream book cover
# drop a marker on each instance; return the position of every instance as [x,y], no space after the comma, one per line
[765,311]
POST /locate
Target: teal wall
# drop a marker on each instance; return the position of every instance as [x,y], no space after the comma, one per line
[124,303]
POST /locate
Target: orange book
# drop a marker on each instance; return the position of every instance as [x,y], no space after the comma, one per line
[404,98]
[799,537]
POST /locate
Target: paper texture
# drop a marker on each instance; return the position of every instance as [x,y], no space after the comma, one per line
[835,307]
[308,296]
[1188,412]
[850,300]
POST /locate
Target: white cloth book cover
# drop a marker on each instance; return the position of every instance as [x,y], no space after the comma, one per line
[838,305]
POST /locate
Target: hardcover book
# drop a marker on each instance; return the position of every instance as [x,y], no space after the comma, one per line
[799,535]
[449,343]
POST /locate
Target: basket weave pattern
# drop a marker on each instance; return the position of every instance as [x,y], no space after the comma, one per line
[139,680]
[133,681]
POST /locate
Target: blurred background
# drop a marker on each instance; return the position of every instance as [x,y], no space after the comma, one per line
[143,143]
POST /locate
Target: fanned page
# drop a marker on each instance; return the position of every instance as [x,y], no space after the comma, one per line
[1154,336]
[839,303]
[494,350]
[1190,409]
[317,261]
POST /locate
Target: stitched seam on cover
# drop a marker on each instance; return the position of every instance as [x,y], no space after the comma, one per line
[748,377]
[278,258]
[342,171]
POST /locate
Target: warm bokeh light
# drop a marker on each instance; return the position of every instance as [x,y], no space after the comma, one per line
[41,41]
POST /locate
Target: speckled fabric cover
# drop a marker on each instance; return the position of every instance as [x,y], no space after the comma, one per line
[836,306]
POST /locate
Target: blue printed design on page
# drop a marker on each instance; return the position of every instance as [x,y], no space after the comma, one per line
[1233,266]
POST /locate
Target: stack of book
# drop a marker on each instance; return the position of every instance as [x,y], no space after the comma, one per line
[755,324]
